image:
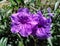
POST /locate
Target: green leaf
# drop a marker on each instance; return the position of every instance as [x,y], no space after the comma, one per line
[13,2]
[20,44]
[22,1]
[18,1]
[49,41]
[38,2]
[56,5]
[3,42]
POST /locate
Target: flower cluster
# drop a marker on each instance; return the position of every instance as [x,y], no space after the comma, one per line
[25,23]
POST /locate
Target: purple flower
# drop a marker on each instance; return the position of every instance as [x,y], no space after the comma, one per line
[49,10]
[23,22]
[23,10]
[50,14]
[43,27]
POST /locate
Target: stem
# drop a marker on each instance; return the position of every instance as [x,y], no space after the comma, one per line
[35,39]
[35,42]
[33,8]
[20,37]
[49,41]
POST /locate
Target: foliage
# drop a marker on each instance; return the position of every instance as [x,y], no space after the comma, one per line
[34,5]
[3,42]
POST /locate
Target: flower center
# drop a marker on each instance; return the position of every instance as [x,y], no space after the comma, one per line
[23,19]
[39,26]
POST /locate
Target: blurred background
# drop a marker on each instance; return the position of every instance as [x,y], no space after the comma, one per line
[7,7]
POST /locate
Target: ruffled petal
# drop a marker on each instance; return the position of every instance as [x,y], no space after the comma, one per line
[23,10]
[15,28]
[14,17]
[50,14]
[40,32]
[25,31]
[43,33]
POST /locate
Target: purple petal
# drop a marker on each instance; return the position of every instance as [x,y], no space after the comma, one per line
[40,32]
[25,30]
[23,10]
[50,14]
[43,33]
[14,17]
[49,20]
[39,13]
[15,29]
[49,10]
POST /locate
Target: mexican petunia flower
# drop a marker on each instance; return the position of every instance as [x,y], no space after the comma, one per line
[49,12]
[22,22]
[25,23]
[43,27]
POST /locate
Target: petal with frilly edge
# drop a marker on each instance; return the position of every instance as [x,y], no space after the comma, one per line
[25,30]
[40,32]
[23,10]
[43,33]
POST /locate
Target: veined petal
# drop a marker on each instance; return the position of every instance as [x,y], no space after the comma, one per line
[40,32]
[14,17]
[25,31]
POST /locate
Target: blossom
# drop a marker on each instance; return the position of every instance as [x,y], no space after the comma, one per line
[23,10]
[23,22]
[51,14]
[49,10]
[43,27]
